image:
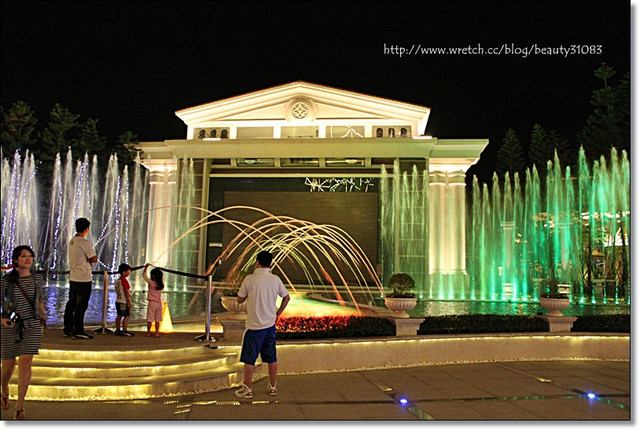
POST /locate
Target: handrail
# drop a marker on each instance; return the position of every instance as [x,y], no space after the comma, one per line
[105,274]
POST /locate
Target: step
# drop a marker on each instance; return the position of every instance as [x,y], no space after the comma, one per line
[115,368]
[124,354]
[144,387]
[75,375]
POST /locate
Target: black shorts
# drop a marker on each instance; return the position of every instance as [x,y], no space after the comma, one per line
[123,309]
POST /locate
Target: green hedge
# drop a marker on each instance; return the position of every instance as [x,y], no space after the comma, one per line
[482,324]
[603,323]
[367,326]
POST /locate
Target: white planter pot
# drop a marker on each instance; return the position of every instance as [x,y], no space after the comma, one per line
[400,306]
[231,304]
[554,306]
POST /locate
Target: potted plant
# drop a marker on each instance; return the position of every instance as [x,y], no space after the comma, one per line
[552,299]
[402,298]
[229,297]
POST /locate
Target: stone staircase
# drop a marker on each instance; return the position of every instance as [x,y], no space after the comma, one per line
[139,374]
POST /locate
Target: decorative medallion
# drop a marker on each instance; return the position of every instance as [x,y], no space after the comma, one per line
[299,110]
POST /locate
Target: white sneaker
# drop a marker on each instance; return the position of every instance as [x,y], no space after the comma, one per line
[244,392]
[272,390]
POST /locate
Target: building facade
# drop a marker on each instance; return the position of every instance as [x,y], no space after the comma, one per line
[321,154]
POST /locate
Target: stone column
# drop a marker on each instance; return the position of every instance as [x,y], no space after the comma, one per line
[447,242]
[162,182]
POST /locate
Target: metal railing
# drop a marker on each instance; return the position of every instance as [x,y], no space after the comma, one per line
[206,337]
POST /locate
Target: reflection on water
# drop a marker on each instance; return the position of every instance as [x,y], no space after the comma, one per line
[182,309]
[56,297]
[183,305]
[436,308]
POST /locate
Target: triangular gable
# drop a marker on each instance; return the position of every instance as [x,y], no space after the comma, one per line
[329,104]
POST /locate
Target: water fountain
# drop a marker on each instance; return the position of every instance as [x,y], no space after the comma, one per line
[20,206]
[575,228]
[326,255]
[571,225]
[113,208]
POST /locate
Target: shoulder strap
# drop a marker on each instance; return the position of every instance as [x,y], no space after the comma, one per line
[25,294]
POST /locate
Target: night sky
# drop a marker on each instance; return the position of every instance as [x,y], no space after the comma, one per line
[131,65]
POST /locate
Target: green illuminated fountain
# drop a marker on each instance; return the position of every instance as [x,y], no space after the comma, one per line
[573,226]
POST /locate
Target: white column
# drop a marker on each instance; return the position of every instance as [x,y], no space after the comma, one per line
[459,215]
[447,222]
[322,131]
[162,182]
[437,207]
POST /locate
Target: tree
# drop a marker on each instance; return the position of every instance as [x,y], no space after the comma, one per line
[90,140]
[125,147]
[18,128]
[56,138]
[539,150]
[608,125]
[566,153]
[510,157]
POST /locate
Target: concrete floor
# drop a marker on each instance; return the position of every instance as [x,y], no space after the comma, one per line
[522,391]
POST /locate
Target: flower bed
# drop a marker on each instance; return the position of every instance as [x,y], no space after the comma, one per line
[333,326]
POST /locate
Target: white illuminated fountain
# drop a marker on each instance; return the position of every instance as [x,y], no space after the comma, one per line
[410,202]
[114,204]
[20,211]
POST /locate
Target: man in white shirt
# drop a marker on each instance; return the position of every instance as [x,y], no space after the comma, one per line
[81,257]
[261,290]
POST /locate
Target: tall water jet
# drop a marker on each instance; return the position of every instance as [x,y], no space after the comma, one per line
[77,190]
[185,255]
[19,205]
[404,212]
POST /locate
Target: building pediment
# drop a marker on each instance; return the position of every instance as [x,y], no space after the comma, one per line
[304,104]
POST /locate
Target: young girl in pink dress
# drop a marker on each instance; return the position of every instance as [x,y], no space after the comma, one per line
[154,297]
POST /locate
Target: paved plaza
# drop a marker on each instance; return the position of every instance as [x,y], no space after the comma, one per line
[514,390]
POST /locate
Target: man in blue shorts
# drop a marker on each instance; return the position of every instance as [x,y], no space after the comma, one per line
[261,290]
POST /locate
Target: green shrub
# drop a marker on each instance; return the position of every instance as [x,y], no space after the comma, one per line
[401,285]
[603,323]
[481,324]
[368,326]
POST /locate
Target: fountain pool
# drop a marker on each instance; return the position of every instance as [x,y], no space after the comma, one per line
[182,310]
